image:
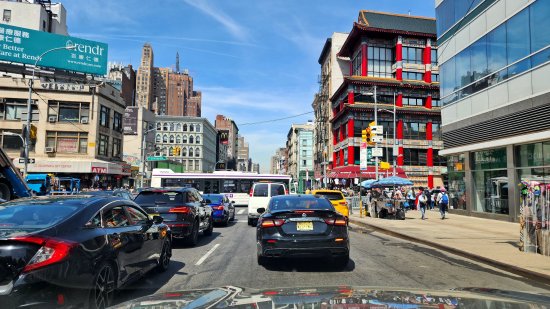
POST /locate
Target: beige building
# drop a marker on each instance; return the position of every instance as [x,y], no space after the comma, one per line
[331,77]
[139,130]
[228,134]
[47,17]
[279,162]
[145,78]
[78,129]
[242,154]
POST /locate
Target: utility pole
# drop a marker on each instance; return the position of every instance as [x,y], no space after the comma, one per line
[376,123]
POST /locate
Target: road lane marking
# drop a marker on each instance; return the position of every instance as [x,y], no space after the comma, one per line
[204,257]
[240,212]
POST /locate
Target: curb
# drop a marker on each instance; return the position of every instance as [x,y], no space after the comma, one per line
[504,266]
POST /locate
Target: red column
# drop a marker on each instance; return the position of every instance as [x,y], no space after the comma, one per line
[399,135]
[364,58]
[341,161]
[351,154]
[335,137]
[399,100]
[351,66]
[428,61]
[351,96]
[429,155]
[334,159]
[428,102]
[399,58]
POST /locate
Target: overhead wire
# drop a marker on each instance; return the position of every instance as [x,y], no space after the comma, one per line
[275,120]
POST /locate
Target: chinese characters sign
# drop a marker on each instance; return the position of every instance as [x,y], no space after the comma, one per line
[26,45]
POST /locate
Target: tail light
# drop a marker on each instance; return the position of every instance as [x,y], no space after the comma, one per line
[251,189]
[272,223]
[51,251]
[180,209]
[336,222]
[343,203]
[220,207]
[286,192]
[304,211]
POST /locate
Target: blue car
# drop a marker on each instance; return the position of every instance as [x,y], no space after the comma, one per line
[223,210]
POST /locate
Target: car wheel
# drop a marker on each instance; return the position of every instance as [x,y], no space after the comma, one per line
[262,260]
[165,255]
[192,239]
[226,223]
[5,192]
[250,221]
[210,228]
[233,216]
[103,289]
[341,261]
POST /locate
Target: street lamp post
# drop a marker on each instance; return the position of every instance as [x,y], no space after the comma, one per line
[29,102]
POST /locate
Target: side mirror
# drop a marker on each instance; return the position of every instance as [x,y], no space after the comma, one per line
[158,219]
[207,201]
[261,210]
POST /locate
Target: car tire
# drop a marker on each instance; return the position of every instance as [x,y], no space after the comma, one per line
[164,260]
[5,192]
[233,216]
[341,261]
[250,221]
[262,260]
[103,290]
[226,223]
[193,238]
[210,228]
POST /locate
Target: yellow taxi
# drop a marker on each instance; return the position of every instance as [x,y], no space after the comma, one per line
[336,198]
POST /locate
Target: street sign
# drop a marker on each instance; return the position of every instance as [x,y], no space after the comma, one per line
[377,139]
[377,152]
[156,158]
[31,160]
[377,129]
[24,45]
[363,156]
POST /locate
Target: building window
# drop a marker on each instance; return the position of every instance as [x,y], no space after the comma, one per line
[171,139]
[191,128]
[165,138]
[165,126]
[67,142]
[172,126]
[69,111]
[198,128]
[435,78]
[11,142]
[158,138]
[7,16]
[413,101]
[197,139]
[304,142]
[304,162]
[197,165]
[436,103]
[185,127]
[159,126]
[357,63]
[436,132]
[190,151]
[184,139]
[413,55]
[184,151]
[380,61]
[413,76]
[191,139]
[178,127]
[415,157]
[490,179]
[117,122]
[434,56]
[304,153]
[104,116]
[117,147]
[414,130]
[178,139]
[197,152]
[13,109]
[102,150]
[456,181]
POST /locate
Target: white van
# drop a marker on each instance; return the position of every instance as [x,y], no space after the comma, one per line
[260,194]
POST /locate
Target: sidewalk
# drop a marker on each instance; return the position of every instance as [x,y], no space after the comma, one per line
[490,241]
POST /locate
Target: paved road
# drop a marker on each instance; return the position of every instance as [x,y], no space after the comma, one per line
[228,257]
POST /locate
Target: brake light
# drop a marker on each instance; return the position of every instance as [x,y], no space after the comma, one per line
[217,207]
[304,211]
[343,203]
[286,192]
[251,189]
[272,223]
[51,251]
[337,222]
[180,209]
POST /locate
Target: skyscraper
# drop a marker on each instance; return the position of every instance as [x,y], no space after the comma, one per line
[145,78]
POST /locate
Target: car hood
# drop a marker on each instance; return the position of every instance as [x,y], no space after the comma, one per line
[340,297]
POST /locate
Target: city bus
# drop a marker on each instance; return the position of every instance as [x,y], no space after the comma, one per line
[235,185]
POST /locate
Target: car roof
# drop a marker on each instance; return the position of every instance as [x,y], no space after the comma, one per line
[298,197]
[326,191]
[71,200]
[168,189]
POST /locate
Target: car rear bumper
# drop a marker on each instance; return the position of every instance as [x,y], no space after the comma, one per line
[179,229]
[313,248]
[222,218]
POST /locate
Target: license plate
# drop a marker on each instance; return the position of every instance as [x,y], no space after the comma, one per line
[304,226]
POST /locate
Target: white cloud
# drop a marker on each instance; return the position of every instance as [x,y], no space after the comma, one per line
[229,23]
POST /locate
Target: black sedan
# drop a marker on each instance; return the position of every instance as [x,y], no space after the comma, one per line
[302,225]
[76,251]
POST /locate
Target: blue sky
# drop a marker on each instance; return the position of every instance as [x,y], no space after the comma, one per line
[253,60]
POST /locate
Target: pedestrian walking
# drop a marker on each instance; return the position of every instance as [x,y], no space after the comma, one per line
[410,198]
[443,203]
[422,202]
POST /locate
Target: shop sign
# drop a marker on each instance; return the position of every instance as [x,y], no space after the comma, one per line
[130,120]
[24,45]
[99,170]
[91,144]
[67,145]
[42,166]
[224,137]
[62,86]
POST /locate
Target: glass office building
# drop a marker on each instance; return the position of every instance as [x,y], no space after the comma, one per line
[494,60]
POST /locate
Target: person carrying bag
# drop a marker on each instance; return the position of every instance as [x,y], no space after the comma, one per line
[443,203]
[422,202]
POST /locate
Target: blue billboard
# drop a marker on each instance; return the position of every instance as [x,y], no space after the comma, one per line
[23,45]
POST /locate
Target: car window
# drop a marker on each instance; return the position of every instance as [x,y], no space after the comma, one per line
[34,216]
[282,204]
[198,196]
[115,217]
[95,221]
[260,189]
[277,189]
[136,215]
[167,197]
[333,196]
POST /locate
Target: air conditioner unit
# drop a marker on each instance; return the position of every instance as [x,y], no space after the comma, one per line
[84,120]
[52,118]
[49,149]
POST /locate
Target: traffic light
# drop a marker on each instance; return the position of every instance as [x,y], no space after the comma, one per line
[385,165]
[364,135]
[174,151]
[370,135]
[33,131]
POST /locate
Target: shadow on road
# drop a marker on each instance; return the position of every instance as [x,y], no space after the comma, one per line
[149,284]
[203,241]
[307,265]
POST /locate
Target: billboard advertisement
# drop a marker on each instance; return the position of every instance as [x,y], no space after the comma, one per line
[130,120]
[224,137]
[24,45]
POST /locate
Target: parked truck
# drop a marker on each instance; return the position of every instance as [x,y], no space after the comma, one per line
[12,184]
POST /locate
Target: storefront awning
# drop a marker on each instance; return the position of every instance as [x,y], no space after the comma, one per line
[354,171]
